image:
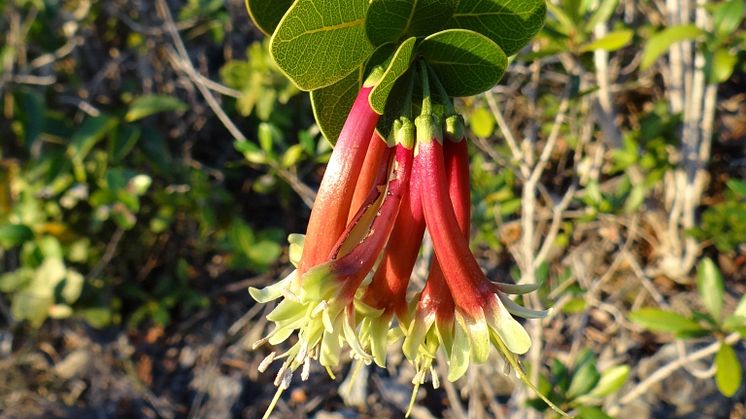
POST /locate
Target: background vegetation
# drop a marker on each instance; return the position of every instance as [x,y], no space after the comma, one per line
[153,161]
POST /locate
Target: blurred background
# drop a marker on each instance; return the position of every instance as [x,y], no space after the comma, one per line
[153,161]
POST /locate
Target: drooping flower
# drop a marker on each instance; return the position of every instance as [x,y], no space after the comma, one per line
[480,315]
[363,240]
[318,302]
[332,205]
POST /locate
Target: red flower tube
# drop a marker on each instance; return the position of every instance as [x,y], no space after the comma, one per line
[376,158]
[332,205]
[480,314]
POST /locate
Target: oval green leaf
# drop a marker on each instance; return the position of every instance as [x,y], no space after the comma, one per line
[662,41]
[611,42]
[266,14]
[711,288]
[390,20]
[466,62]
[317,44]
[14,234]
[398,65]
[148,105]
[663,321]
[728,375]
[331,104]
[511,24]
[611,380]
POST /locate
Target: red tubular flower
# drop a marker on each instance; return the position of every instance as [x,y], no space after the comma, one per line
[376,159]
[313,308]
[385,296]
[435,305]
[479,311]
[332,206]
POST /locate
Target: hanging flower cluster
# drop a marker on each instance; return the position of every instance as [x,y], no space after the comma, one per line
[353,266]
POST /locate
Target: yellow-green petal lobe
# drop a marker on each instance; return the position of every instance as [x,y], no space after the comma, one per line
[458,362]
[272,292]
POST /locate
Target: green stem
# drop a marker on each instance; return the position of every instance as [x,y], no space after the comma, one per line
[447,102]
[407,105]
[427,107]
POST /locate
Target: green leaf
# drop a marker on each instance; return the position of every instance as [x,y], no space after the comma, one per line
[318,44]
[266,14]
[398,65]
[737,186]
[123,140]
[467,62]
[727,16]
[292,155]
[13,281]
[264,252]
[390,20]
[602,14]
[566,22]
[741,308]
[611,42]
[723,63]
[662,41]
[510,24]
[482,122]
[91,131]
[14,234]
[732,323]
[591,412]
[664,321]
[711,288]
[728,375]
[148,105]
[585,377]
[611,380]
[331,104]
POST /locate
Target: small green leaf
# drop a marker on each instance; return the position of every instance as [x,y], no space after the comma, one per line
[148,105]
[292,155]
[737,186]
[467,62]
[741,308]
[510,24]
[723,63]
[398,65]
[390,20]
[123,140]
[331,104]
[266,14]
[482,122]
[16,280]
[591,412]
[664,321]
[729,371]
[264,252]
[662,41]
[711,288]
[602,14]
[734,322]
[14,234]
[611,380]
[318,44]
[251,152]
[727,16]
[91,131]
[584,378]
[611,42]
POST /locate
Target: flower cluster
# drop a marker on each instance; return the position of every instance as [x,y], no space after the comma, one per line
[353,266]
